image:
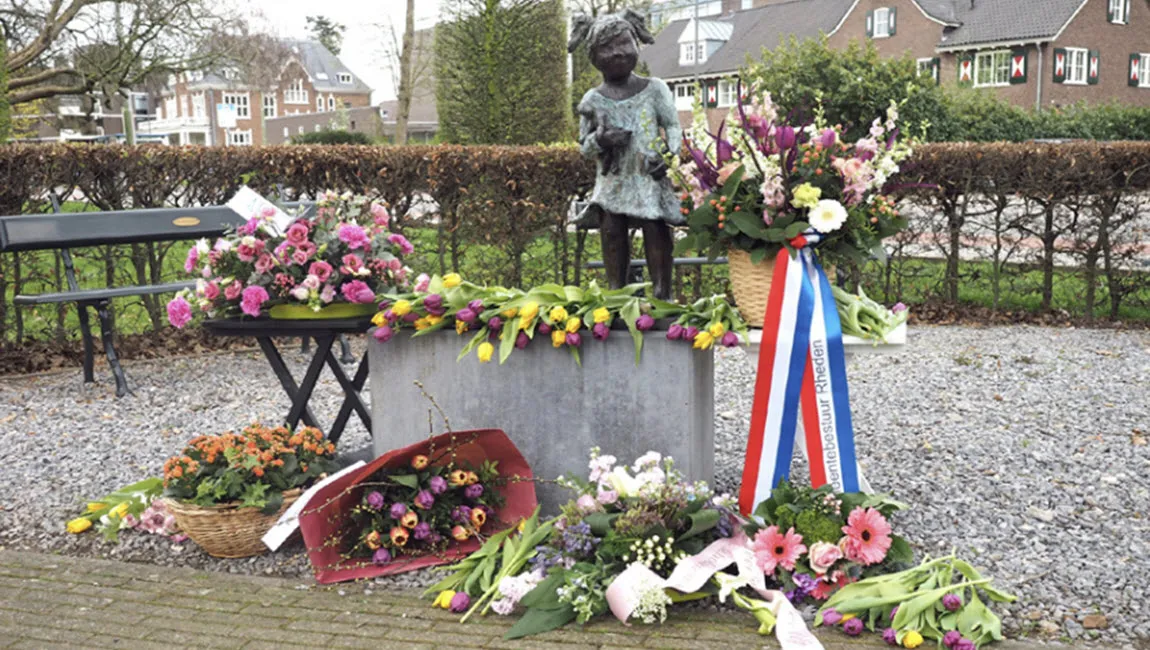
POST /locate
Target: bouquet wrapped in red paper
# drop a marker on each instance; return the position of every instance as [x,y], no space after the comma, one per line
[430,503]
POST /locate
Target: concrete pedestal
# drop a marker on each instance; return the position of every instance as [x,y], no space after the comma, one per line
[553,409]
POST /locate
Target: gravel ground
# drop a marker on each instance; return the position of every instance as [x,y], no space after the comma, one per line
[1024,448]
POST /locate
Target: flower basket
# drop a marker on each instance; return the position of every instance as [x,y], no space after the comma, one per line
[324,522]
[334,310]
[750,284]
[228,530]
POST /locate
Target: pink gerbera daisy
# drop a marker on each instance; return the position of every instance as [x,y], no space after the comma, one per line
[774,549]
[868,536]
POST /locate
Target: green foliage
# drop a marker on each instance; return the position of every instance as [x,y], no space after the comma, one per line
[815,527]
[501,71]
[332,137]
[5,107]
[854,85]
[327,32]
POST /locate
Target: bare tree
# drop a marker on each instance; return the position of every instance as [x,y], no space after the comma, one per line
[411,63]
[404,94]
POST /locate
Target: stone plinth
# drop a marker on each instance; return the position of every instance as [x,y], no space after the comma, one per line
[553,409]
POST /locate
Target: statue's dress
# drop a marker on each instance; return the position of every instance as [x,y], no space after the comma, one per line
[632,191]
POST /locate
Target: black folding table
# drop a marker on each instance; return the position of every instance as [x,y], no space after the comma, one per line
[324,332]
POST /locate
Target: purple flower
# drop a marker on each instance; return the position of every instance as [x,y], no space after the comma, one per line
[473,491]
[421,531]
[410,317]
[434,304]
[674,332]
[465,315]
[521,341]
[383,334]
[690,333]
[390,316]
[951,602]
[544,328]
[461,514]
[573,339]
[890,636]
[476,306]
[785,137]
[898,307]
[424,500]
[853,627]
[437,484]
[964,644]
[495,324]
[644,322]
[375,500]
[600,331]
[828,138]
[398,510]
[381,556]
[831,617]
[460,602]
[950,638]
[730,339]
[893,612]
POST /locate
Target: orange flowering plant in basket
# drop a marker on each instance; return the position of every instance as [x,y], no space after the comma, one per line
[252,468]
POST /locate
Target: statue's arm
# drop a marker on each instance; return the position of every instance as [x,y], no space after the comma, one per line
[668,118]
[587,129]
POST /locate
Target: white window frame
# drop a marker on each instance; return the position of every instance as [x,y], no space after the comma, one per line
[1118,10]
[1144,70]
[301,129]
[728,93]
[318,103]
[331,102]
[242,103]
[170,107]
[239,137]
[924,67]
[287,133]
[345,77]
[885,22]
[317,128]
[701,51]
[199,106]
[999,69]
[685,96]
[270,108]
[1082,57]
[686,53]
[186,105]
[295,93]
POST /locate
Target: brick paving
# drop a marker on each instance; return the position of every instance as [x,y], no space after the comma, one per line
[52,601]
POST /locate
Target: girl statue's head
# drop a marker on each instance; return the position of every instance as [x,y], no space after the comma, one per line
[612,41]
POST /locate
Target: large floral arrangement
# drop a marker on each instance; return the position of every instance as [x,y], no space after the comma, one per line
[344,253]
[760,182]
[419,509]
[253,467]
[565,316]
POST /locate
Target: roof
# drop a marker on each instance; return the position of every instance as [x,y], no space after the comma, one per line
[940,10]
[995,21]
[324,68]
[751,31]
[709,30]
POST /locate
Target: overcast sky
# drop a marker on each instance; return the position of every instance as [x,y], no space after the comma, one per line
[368,30]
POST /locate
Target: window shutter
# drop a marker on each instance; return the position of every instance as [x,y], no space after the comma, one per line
[891,21]
[936,69]
[965,69]
[1127,12]
[1018,66]
[1092,68]
[712,94]
[1110,12]
[1135,60]
[1059,65]
[870,24]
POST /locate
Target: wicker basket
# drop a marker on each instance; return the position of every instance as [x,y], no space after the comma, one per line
[228,530]
[751,284]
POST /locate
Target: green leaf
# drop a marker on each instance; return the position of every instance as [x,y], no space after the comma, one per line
[275,500]
[748,223]
[795,229]
[538,621]
[507,341]
[600,522]
[545,594]
[758,255]
[900,551]
[701,522]
[406,480]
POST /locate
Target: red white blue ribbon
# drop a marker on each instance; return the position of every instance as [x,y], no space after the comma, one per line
[801,364]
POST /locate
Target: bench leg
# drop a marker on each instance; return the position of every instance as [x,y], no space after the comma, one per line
[103,309]
[89,344]
[304,345]
[345,355]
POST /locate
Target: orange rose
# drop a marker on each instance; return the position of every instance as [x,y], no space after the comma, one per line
[420,462]
[472,478]
[409,519]
[460,533]
[458,478]
[373,540]
[398,536]
[478,518]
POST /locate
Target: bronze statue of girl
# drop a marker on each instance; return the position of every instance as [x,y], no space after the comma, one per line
[619,124]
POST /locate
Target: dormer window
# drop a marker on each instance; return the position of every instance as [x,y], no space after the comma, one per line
[1118,11]
[686,53]
[345,77]
[880,23]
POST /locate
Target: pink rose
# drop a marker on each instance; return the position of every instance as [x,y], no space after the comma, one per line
[253,298]
[351,263]
[246,253]
[299,256]
[307,247]
[232,291]
[311,282]
[297,234]
[394,264]
[211,290]
[321,270]
[379,214]
[179,312]
[823,555]
[587,503]
[328,293]
[401,241]
[422,283]
[300,293]
[607,497]
[357,291]
[354,236]
[265,263]
[268,211]
[193,257]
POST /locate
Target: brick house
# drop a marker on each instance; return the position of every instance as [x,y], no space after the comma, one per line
[1033,53]
[311,81]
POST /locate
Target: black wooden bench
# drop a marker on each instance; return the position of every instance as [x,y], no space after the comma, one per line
[64,231]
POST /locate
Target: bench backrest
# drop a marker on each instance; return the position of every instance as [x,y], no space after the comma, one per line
[77,229]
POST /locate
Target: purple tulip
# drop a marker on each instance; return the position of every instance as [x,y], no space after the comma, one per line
[853,627]
[729,340]
[890,636]
[544,329]
[690,333]
[384,305]
[476,306]
[460,602]
[434,538]
[375,500]
[785,137]
[951,602]
[398,510]
[573,339]
[473,491]
[831,617]
[675,332]
[893,612]
[461,514]
[381,556]
[421,531]
[495,324]
[434,304]
[465,315]
[424,500]
[411,317]
[828,138]
[437,484]
[383,334]
[950,638]
[964,644]
[600,331]
[521,341]
[898,307]
[644,323]
[390,316]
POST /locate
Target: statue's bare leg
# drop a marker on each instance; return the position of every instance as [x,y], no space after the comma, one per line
[616,240]
[660,248]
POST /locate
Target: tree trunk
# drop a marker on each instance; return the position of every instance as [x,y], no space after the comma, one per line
[59,306]
[406,83]
[1049,235]
[5,107]
[17,286]
[954,232]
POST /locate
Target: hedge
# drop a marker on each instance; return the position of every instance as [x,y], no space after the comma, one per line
[501,214]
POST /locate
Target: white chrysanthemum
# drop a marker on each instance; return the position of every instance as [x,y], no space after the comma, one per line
[828,216]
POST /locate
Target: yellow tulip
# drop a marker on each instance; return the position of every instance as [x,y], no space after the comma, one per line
[847,617]
[120,510]
[573,325]
[443,600]
[422,324]
[378,320]
[485,352]
[558,315]
[432,319]
[460,327]
[96,506]
[558,338]
[717,330]
[401,308]
[912,639]
[703,340]
[79,525]
[601,315]
[529,311]
[509,313]
[452,280]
